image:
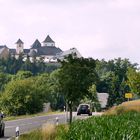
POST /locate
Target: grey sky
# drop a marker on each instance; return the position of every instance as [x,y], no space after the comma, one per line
[97,28]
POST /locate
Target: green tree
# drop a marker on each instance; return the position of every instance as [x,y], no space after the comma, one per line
[113,77]
[21,97]
[23,74]
[94,98]
[133,81]
[75,77]
[42,85]
[56,96]
[4,79]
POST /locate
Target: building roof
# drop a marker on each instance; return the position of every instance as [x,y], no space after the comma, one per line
[48,50]
[19,41]
[40,51]
[3,46]
[1,50]
[32,53]
[26,51]
[12,51]
[72,51]
[48,39]
[36,44]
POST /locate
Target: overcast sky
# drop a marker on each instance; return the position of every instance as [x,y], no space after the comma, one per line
[97,28]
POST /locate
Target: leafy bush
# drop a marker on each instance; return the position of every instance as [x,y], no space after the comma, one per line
[21,97]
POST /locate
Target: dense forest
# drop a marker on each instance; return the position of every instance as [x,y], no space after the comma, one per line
[26,85]
[12,65]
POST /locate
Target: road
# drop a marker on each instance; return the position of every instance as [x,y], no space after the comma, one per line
[28,124]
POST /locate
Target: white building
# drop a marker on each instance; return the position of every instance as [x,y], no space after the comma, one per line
[47,50]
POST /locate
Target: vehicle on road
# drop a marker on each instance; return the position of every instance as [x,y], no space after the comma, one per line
[84,109]
[2,125]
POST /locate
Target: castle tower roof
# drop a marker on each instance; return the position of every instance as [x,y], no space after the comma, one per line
[19,41]
[36,44]
[48,39]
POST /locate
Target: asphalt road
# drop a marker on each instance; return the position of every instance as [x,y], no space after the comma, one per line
[28,124]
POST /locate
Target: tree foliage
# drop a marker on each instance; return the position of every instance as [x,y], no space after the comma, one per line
[12,65]
[25,96]
[134,81]
[4,79]
[56,96]
[94,98]
[113,78]
[75,77]
[30,86]
[23,74]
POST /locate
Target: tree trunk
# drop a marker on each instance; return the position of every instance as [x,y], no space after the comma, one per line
[70,109]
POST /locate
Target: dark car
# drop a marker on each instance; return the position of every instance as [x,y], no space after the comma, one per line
[2,125]
[84,109]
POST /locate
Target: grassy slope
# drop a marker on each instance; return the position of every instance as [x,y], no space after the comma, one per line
[124,107]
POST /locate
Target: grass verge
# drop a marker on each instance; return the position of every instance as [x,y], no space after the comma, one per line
[124,107]
[8,118]
[47,132]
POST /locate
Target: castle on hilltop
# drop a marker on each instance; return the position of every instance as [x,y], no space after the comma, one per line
[46,50]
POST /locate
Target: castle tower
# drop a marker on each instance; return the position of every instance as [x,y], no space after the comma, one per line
[19,46]
[48,42]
